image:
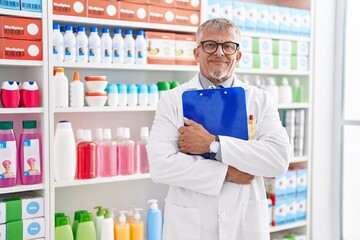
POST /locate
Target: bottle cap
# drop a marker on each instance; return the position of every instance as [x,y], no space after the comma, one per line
[29,85]
[144,133]
[61,221]
[56,26]
[78,213]
[137,215]
[143,88]
[163,86]
[153,204]
[107,133]
[122,88]
[68,28]
[76,76]
[99,134]
[126,132]
[87,135]
[10,85]
[107,214]
[140,32]
[112,88]
[153,88]
[132,88]
[99,212]
[80,134]
[117,31]
[59,215]
[285,81]
[128,32]
[29,124]
[93,29]
[105,30]
[86,217]
[119,132]
[6,125]
[81,29]
[59,70]
[174,84]
[122,217]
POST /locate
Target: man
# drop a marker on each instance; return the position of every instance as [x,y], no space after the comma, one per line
[221,198]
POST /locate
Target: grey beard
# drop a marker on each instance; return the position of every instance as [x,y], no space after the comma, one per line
[218,74]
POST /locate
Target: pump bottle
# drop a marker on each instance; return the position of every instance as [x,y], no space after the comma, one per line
[154,221]
[137,226]
[122,228]
[107,226]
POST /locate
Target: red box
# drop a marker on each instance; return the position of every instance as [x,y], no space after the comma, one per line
[134,12]
[187,18]
[103,9]
[184,46]
[163,3]
[1,48]
[22,28]
[161,15]
[137,1]
[70,7]
[22,49]
[161,47]
[193,5]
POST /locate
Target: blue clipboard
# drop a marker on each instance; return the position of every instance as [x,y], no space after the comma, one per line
[222,111]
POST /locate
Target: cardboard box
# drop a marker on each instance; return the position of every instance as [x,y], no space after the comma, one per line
[301,177]
[301,207]
[262,18]
[24,207]
[239,12]
[193,5]
[284,24]
[102,9]
[2,212]
[276,186]
[187,18]
[163,3]
[213,9]
[137,1]
[133,12]
[251,16]
[26,229]
[161,15]
[70,7]
[184,46]
[161,47]
[31,5]
[291,209]
[279,210]
[22,28]
[2,232]
[295,20]
[22,49]
[274,19]
[226,9]
[10,4]
[291,183]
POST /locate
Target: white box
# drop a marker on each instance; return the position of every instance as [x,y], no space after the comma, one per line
[226,9]
[2,232]
[274,19]
[246,60]
[262,18]
[251,16]
[213,9]
[284,13]
[239,14]
[284,62]
[284,47]
[246,44]
[291,183]
[295,20]
[2,212]
[302,48]
[302,63]
[265,45]
[301,178]
[266,61]
[305,22]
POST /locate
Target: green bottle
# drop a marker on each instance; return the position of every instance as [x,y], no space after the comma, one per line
[63,228]
[76,221]
[86,227]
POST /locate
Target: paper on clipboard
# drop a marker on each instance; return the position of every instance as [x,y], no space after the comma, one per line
[222,111]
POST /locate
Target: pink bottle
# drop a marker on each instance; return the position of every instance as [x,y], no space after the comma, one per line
[30,154]
[107,166]
[10,94]
[29,94]
[126,154]
[141,157]
[86,157]
[8,155]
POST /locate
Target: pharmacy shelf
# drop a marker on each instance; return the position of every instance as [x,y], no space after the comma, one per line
[22,188]
[21,110]
[277,72]
[17,13]
[293,106]
[122,23]
[288,226]
[17,63]
[101,180]
[132,67]
[276,36]
[299,159]
[87,109]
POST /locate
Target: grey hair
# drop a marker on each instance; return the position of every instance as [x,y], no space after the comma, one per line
[217,25]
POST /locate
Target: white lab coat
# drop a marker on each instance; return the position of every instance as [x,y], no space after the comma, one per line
[199,204]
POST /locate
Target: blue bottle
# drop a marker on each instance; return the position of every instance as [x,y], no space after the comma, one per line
[154,221]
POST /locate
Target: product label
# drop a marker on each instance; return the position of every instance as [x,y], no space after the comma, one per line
[31,157]
[7,159]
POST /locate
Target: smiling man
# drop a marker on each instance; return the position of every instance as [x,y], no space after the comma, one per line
[223,197]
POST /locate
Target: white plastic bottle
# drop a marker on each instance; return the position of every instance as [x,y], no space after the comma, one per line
[129,47]
[112,92]
[285,91]
[153,95]
[69,45]
[82,45]
[76,91]
[64,152]
[61,88]
[106,46]
[94,46]
[272,88]
[298,90]
[122,97]
[143,95]
[132,95]
[118,47]
[140,48]
[58,44]
[107,226]
[98,221]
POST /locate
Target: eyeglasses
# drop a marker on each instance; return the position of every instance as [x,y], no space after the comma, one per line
[228,48]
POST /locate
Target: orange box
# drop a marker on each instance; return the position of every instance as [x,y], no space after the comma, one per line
[70,7]
[22,28]
[22,49]
[1,27]
[163,3]
[184,46]
[1,48]
[137,1]
[187,18]
[161,15]
[161,47]
[103,9]
[193,5]
[134,12]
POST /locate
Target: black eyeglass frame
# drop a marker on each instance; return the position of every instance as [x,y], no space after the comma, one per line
[217,46]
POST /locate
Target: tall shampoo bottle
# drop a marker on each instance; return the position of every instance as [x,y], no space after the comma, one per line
[140,48]
[58,44]
[82,46]
[154,221]
[106,46]
[107,227]
[94,46]
[8,155]
[118,47]
[122,228]
[76,91]
[61,88]
[86,228]
[98,221]
[69,45]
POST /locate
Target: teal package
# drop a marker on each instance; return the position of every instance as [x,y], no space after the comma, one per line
[31,5]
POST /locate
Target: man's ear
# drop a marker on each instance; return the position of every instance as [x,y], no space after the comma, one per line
[238,56]
[196,54]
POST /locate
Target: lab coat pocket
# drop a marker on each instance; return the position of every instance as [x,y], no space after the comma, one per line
[255,220]
[181,223]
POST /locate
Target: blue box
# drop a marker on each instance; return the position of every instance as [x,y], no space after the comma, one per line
[262,18]
[291,209]
[284,13]
[276,186]
[213,9]
[10,4]
[291,183]
[279,212]
[226,9]
[239,14]
[251,16]
[301,187]
[274,19]
[295,19]
[31,5]
[301,207]
[305,23]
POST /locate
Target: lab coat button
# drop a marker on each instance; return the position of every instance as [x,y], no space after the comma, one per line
[223,216]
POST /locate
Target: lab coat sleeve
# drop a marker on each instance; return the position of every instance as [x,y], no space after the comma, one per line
[168,165]
[269,154]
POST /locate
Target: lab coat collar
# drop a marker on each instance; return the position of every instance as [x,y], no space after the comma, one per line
[194,83]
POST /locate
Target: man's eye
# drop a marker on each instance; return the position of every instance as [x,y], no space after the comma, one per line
[210,45]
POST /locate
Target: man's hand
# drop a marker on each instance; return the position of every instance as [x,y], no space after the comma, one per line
[194,138]
[236,176]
